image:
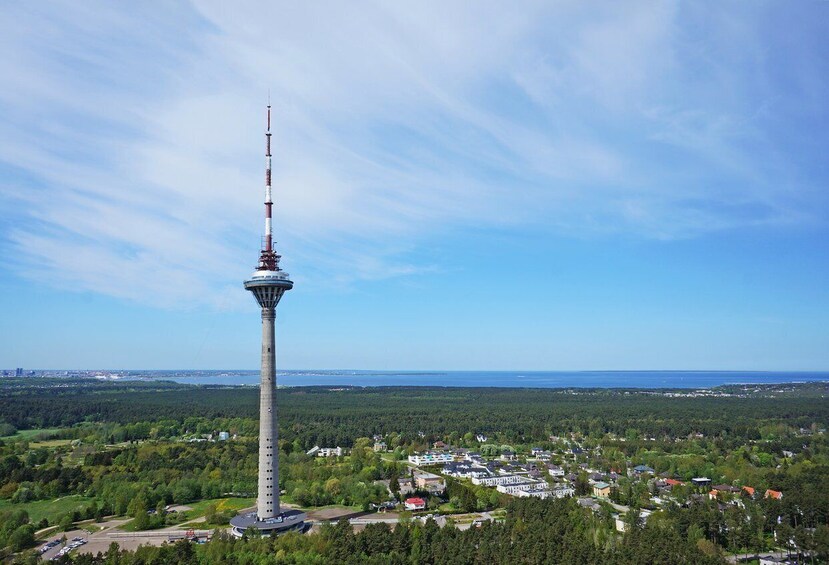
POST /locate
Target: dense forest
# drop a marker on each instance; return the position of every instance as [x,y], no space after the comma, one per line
[536,531]
[132,448]
[320,415]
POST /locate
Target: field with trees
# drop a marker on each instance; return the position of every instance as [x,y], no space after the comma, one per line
[75,450]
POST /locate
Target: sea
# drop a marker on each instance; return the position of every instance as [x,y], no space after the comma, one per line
[521,379]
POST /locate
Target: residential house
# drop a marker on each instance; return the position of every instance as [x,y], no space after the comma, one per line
[775,494]
[621,526]
[562,491]
[474,457]
[536,492]
[414,504]
[589,503]
[431,458]
[596,477]
[555,471]
[601,490]
[523,485]
[465,470]
[496,480]
[722,491]
[428,481]
[505,467]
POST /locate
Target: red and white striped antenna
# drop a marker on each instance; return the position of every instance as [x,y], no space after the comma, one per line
[268,259]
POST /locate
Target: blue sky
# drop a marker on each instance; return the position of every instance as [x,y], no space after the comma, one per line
[552,186]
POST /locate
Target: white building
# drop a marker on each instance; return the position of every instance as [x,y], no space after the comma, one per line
[330,452]
[621,524]
[524,486]
[555,471]
[431,458]
[497,480]
[465,470]
[538,492]
[562,491]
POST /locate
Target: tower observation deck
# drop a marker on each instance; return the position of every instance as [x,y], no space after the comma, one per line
[267,284]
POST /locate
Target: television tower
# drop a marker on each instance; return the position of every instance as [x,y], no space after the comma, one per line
[267,284]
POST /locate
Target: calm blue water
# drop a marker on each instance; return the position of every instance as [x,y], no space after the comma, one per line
[526,379]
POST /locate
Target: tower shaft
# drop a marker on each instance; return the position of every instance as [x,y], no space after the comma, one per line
[268,487]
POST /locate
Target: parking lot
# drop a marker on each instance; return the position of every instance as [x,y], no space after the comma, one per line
[55,548]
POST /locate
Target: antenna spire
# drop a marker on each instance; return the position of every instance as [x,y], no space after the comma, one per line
[268,259]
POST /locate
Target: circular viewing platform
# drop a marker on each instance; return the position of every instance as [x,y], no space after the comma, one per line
[288,520]
[269,278]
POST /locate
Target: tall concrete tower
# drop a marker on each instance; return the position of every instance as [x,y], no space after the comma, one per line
[267,284]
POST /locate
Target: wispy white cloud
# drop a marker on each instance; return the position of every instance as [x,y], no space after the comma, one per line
[130,136]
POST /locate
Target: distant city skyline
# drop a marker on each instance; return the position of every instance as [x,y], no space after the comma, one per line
[556,187]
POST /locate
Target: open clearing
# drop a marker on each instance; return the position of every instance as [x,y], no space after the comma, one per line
[30,434]
[51,509]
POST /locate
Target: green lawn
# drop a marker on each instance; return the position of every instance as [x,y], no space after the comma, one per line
[29,434]
[353,508]
[50,443]
[51,509]
[200,508]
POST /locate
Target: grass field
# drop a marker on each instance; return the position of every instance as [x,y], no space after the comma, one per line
[51,509]
[50,443]
[30,434]
[198,509]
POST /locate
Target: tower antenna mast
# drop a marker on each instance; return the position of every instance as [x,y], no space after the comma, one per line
[268,259]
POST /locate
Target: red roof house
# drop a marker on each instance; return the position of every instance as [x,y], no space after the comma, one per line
[414,504]
[775,494]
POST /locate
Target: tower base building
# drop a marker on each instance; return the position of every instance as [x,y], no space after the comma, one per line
[286,521]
